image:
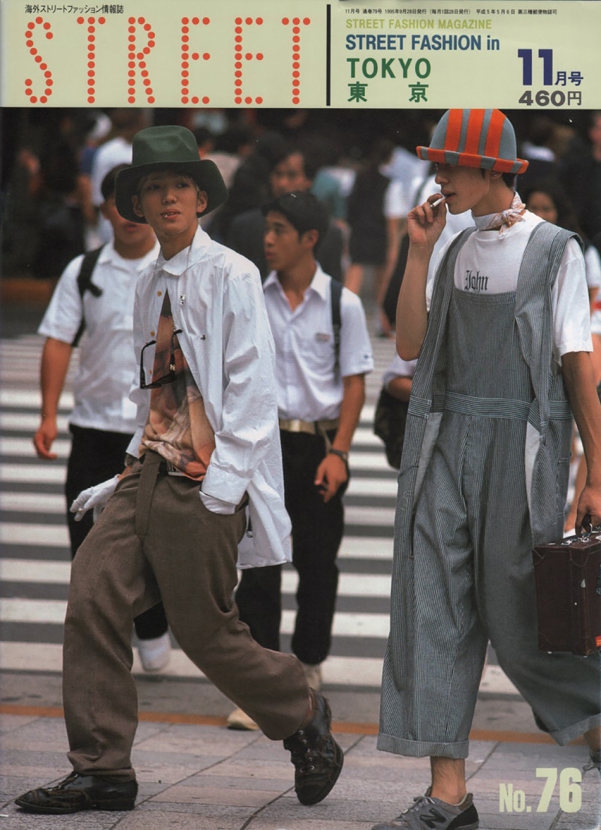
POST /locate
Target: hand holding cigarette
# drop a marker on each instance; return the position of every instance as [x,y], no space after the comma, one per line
[439,201]
[424,224]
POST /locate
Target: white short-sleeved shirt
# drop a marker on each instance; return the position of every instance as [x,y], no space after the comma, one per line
[396,204]
[592,262]
[489,264]
[398,368]
[307,385]
[106,356]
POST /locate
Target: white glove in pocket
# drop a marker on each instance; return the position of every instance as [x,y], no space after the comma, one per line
[94,498]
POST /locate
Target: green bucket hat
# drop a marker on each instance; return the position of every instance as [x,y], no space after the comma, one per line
[175,148]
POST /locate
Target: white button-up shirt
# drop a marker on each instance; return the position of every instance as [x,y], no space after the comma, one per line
[308,386]
[106,355]
[217,302]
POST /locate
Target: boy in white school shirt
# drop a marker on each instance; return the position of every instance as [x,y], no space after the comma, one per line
[320,393]
[96,314]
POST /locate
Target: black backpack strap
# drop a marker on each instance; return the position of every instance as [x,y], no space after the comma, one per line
[335,294]
[84,283]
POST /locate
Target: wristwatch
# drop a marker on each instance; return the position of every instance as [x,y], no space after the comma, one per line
[340,453]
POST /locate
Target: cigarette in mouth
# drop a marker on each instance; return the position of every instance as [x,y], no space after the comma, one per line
[438,202]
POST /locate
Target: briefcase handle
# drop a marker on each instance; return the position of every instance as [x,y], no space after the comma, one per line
[586,534]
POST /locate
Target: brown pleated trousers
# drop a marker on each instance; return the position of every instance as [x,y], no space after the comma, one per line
[156,540]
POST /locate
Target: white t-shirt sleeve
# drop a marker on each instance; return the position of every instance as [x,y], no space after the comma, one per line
[64,314]
[596,323]
[592,262]
[437,257]
[355,346]
[395,201]
[571,308]
[398,368]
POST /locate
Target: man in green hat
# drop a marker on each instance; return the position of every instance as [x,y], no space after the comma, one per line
[203,469]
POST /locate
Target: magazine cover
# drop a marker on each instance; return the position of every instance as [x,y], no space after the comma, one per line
[324,277]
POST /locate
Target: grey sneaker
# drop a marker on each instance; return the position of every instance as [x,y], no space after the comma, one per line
[595,762]
[428,812]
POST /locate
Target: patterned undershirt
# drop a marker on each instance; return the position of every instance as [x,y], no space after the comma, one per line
[177,427]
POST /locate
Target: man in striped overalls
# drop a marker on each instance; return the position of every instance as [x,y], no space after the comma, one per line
[503,339]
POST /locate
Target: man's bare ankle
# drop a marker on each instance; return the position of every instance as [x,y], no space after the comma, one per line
[454,797]
[311,710]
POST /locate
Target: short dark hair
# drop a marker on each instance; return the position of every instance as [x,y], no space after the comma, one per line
[509,178]
[303,210]
[310,163]
[107,186]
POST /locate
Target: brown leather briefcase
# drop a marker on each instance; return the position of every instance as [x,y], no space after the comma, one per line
[568,594]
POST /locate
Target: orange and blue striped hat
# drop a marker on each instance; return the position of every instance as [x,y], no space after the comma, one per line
[475,138]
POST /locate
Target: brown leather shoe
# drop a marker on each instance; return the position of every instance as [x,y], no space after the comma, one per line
[80,792]
[315,754]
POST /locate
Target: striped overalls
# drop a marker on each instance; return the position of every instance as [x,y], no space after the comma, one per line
[467,517]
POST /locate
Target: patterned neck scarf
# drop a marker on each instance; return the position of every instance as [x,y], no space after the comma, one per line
[504,220]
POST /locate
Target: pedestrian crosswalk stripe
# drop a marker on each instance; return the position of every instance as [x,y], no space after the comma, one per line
[364,486]
[363,672]
[369,516]
[41,571]
[367,461]
[52,612]
[365,437]
[33,502]
[25,421]
[365,547]
[35,570]
[45,535]
[24,447]
[33,473]
[30,399]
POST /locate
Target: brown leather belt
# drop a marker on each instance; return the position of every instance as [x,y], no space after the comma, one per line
[310,427]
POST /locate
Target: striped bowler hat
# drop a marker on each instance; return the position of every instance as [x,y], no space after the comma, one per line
[475,138]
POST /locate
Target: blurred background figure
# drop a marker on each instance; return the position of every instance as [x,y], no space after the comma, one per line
[390,416]
[548,200]
[420,188]
[580,175]
[116,150]
[294,172]
[538,148]
[376,211]
[320,380]
[327,186]
[92,306]
[229,150]
[250,186]
[61,228]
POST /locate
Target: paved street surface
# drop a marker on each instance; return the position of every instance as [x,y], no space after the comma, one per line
[201,777]
[194,773]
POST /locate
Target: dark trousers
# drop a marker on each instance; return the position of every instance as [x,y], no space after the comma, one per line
[317,530]
[96,456]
